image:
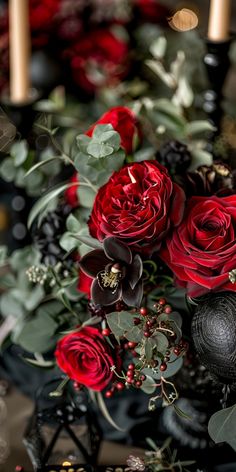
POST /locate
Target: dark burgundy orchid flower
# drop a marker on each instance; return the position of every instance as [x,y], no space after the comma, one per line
[116,272]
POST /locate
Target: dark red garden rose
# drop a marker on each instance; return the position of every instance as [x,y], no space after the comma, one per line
[42,13]
[202,251]
[97,60]
[124,122]
[139,205]
[71,194]
[151,11]
[85,357]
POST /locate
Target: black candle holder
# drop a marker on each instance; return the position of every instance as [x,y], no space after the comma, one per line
[22,115]
[217,64]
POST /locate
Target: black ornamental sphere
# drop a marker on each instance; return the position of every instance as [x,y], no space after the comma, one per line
[214,335]
[44,71]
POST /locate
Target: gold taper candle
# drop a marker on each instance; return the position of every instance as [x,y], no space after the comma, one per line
[219,20]
[19,39]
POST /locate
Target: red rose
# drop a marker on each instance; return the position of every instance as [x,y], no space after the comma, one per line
[71,194]
[42,12]
[151,10]
[139,204]
[84,284]
[85,357]
[124,122]
[202,251]
[97,60]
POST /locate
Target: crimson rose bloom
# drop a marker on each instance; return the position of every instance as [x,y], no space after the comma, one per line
[124,122]
[85,357]
[152,11]
[84,283]
[139,204]
[98,59]
[202,251]
[71,195]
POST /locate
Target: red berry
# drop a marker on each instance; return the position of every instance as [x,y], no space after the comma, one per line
[163,366]
[134,353]
[19,468]
[162,301]
[109,394]
[129,380]
[138,383]
[131,366]
[106,332]
[143,377]
[126,346]
[137,321]
[143,311]
[132,344]
[176,351]
[76,385]
[120,386]
[130,373]
[147,334]
[167,309]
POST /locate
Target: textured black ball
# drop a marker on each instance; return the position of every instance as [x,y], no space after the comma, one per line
[45,71]
[214,335]
[175,156]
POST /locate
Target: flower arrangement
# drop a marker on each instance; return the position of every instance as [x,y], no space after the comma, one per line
[127,236]
[137,233]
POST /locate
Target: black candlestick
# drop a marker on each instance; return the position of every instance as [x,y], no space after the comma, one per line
[22,115]
[217,65]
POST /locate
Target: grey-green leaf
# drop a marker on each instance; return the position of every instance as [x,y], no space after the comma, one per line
[222,426]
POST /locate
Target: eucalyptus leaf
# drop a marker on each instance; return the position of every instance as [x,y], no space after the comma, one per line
[200,157]
[10,305]
[100,129]
[3,254]
[89,241]
[43,364]
[43,202]
[158,47]
[222,426]
[8,170]
[40,164]
[86,196]
[19,152]
[161,342]
[198,126]
[148,385]
[37,334]
[99,149]
[120,323]
[68,241]
[73,224]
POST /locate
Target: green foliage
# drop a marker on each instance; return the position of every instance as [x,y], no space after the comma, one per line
[97,158]
[42,324]
[20,167]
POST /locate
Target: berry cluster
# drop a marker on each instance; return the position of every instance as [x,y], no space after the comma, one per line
[150,322]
